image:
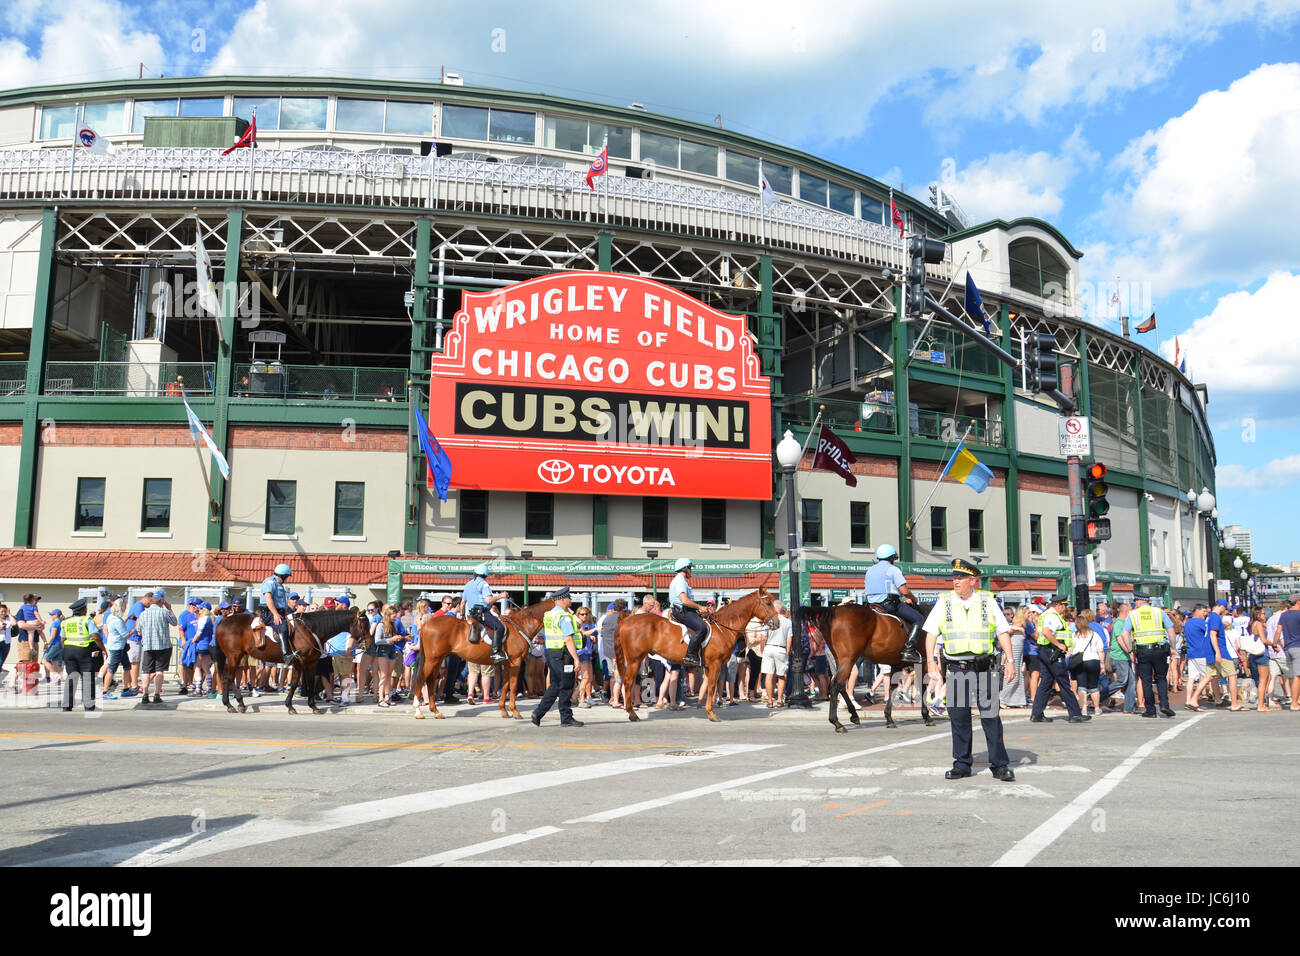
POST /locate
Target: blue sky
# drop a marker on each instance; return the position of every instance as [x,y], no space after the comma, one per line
[1160,136]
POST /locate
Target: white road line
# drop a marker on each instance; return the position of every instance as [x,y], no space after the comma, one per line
[766,864]
[1043,836]
[606,815]
[851,771]
[773,794]
[451,856]
[256,832]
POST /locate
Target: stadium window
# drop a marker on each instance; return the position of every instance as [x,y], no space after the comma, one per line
[349,509]
[359,116]
[659,149]
[812,188]
[145,108]
[619,139]
[699,158]
[1035,268]
[859,524]
[559,132]
[1035,534]
[812,522]
[742,168]
[473,514]
[268,110]
[976,524]
[842,199]
[779,177]
[939,529]
[90,505]
[873,210]
[156,507]
[203,106]
[281,500]
[302,113]
[713,521]
[106,119]
[654,520]
[464,122]
[409,119]
[511,126]
[57,121]
[539,516]
[1063,536]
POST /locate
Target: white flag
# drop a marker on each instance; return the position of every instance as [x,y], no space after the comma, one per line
[203,266]
[91,141]
[198,431]
[769,194]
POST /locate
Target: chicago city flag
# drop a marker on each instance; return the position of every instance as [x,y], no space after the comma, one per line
[834,455]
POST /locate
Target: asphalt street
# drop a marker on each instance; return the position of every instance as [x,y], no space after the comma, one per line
[194,785]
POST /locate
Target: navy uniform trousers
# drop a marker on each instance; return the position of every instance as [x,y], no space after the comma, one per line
[1052,669]
[1153,663]
[966,686]
[560,665]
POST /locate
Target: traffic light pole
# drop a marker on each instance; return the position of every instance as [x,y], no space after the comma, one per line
[1078,556]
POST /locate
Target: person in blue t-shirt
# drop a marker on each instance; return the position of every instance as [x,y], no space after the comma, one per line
[52,659]
[1200,653]
[30,628]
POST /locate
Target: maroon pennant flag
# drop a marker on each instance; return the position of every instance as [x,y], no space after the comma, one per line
[834,455]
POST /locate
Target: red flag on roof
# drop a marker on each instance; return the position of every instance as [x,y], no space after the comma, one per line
[598,167]
[895,214]
[248,139]
[1148,325]
[834,455]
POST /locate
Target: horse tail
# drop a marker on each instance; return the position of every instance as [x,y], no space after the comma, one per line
[619,660]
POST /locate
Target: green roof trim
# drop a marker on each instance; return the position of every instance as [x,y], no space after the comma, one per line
[1003,224]
[71,93]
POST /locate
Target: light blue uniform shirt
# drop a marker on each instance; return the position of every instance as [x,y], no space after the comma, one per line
[279,597]
[882,579]
[476,593]
[679,588]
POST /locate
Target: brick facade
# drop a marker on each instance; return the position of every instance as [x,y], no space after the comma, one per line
[314,438]
[1050,484]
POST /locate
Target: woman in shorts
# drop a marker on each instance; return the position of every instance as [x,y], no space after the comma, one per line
[382,634]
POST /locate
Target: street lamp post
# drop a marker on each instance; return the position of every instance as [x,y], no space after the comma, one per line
[788,453]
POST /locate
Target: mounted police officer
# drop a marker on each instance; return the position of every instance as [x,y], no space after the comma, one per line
[971,624]
[884,584]
[1152,632]
[686,611]
[275,609]
[80,634]
[479,599]
[563,638]
[1054,643]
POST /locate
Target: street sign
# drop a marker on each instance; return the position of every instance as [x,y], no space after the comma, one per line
[1223,586]
[1076,436]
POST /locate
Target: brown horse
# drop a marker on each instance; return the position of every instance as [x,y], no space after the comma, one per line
[860,631]
[640,634]
[237,637]
[443,635]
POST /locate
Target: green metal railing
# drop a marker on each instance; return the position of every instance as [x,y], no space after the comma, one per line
[323,382]
[129,379]
[948,348]
[13,379]
[841,415]
[943,426]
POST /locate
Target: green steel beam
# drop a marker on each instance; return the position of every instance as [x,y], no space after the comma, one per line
[604,252]
[225,372]
[966,380]
[771,342]
[1144,519]
[1085,399]
[903,430]
[418,374]
[599,526]
[1009,435]
[42,306]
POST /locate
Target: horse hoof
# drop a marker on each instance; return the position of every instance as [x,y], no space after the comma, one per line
[929,723]
[440,716]
[231,709]
[506,716]
[243,709]
[292,711]
[517,716]
[891,725]
[715,718]
[841,729]
[855,721]
[419,716]
[633,717]
[317,711]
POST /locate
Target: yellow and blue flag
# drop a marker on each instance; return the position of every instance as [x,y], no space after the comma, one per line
[964,466]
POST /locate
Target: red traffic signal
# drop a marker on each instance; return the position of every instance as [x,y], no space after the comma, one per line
[1096,471]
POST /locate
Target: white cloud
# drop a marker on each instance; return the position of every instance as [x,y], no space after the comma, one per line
[1017,183]
[1276,473]
[79,40]
[1213,194]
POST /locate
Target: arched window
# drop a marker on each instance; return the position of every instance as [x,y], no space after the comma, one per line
[1036,269]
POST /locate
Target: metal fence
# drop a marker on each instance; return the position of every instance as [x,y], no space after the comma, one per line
[943,426]
[842,415]
[320,382]
[13,379]
[130,379]
[347,178]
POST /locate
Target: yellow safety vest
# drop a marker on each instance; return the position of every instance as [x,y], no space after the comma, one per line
[1148,625]
[967,630]
[76,633]
[555,638]
[1051,621]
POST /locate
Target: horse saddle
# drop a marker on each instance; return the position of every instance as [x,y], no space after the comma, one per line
[686,632]
[475,629]
[889,609]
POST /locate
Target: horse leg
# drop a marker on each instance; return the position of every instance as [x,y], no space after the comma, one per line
[432,666]
[889,700]
[842,667]
[226,672]
[312,692]
[294,672]
[235,679]
[713,668]
[630,686]
[837,688]
[925,709]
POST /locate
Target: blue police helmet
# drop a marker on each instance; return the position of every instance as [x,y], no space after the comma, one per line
[481,571]
[885,552]
[683,563]
[283,570]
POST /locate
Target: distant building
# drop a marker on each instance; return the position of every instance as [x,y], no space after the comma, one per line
[1240,538]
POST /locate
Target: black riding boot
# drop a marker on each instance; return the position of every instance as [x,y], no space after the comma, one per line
[498,655]
[911,651]
[692,658]
[289,655]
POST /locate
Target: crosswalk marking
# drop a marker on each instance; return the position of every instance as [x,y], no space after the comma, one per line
[759,863]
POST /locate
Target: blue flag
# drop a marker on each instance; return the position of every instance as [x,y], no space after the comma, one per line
[974,305]
[439,476]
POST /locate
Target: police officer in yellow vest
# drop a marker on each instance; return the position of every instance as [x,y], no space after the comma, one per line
[1054,643]
[80,634]
[971,624]
[563,638]
[1152,632]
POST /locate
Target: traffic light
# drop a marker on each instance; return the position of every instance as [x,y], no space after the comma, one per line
[1041,361]
[1095,506]
[919,252]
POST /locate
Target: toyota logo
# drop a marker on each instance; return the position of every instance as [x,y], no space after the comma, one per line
[553,471]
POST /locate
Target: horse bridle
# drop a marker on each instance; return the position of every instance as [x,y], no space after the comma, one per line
[737,631]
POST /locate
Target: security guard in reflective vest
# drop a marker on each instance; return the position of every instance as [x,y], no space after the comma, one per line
[563,638]
[1054,645]
[80,634]
[971,624]
[1152,630]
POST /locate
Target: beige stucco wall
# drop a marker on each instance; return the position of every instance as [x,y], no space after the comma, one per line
[1051,507]
[959,499]
[837,540]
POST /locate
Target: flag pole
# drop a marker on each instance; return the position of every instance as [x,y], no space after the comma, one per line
[762,204]
[930,321]
[207,482]
[812,429]
[942,474]
[252,148]
[77,115]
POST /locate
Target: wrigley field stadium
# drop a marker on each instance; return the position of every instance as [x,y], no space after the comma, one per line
[605,321]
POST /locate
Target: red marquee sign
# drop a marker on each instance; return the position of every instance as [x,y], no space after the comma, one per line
[599,383]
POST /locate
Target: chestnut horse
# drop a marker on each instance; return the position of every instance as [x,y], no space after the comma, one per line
[443,635]
[855,631]
[640,634]
[236,637]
